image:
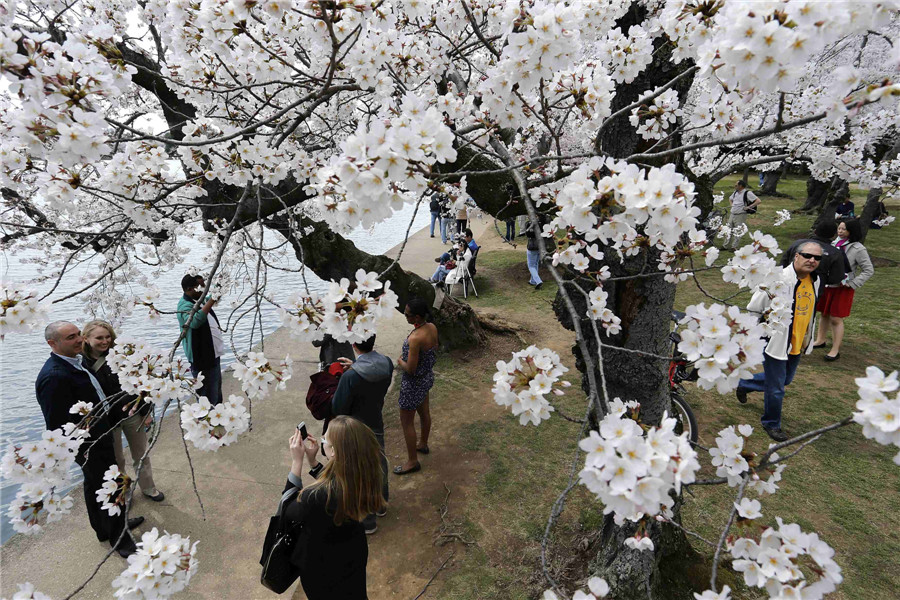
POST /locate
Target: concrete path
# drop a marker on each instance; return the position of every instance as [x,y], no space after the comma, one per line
[239,485]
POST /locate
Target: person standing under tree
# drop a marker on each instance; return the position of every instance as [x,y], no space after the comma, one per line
[435,207]
[743,203]
[836,302]
[533,255]
[788,341]
[417,363]
[62,383]
[203,344]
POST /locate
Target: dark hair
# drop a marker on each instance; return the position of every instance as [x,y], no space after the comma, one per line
[469,233]
[418,308]
[366,345]
[189,282]
[826,229]
[742,183]
[854,228]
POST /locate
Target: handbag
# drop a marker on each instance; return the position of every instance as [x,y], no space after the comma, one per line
[321,390]
[278,572]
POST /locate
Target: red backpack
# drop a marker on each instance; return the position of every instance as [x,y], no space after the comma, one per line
[321,390]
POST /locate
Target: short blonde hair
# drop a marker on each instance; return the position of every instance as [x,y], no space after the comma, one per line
[91,326]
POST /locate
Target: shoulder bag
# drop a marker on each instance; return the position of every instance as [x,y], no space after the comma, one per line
[278,572]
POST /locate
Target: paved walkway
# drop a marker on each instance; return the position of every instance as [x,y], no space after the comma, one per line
[239,485]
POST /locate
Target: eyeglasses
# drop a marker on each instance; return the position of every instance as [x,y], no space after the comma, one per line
[815,257]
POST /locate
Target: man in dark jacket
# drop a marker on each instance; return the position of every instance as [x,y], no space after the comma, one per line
[62,383]
[831,269]
[360,394]
[202,343]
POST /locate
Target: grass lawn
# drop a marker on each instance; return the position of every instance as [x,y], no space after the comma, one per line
[843,486]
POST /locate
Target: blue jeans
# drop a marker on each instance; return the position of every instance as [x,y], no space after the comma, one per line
[435,217]
[212,382]
[534,259]
[776,375]
[510,229]
[445,226]
[369,521]
[440,273]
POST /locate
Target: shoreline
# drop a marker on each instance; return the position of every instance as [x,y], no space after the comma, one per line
[251,471]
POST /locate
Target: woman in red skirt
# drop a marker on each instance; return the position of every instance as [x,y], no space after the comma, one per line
[836,301]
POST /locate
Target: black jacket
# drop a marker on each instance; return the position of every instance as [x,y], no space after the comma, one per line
[361,390]
[330,349]
[831,269]
[332,558]
[109,381]
[59,386]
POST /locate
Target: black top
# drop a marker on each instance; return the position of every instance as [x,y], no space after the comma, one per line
[831,268]
[361,390]
[332,558]
[121,403]
[330,349]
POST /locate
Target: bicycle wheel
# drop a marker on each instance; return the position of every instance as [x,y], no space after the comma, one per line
[685,417]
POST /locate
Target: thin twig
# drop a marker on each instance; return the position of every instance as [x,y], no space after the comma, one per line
[441,568]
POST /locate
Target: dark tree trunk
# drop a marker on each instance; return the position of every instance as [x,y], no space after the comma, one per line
[770,181]
[816,192]
[870,211]
[332,256]
[840,191]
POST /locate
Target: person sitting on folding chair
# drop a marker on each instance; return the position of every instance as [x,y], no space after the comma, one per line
[463,256]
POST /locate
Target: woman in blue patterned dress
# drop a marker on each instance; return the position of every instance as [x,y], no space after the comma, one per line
[417,362]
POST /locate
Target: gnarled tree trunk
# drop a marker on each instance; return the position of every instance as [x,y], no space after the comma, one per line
[770,181]
[816,192]
[840,191]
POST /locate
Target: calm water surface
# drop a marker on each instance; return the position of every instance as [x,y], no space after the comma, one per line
[22,355]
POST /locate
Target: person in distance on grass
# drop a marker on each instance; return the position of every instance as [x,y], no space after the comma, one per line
[743,202]
[63,382]
[360,394]
[331,550]
[202,343]
[787,343]
[417,362]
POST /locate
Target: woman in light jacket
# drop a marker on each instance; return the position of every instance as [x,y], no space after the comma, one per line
[129,418]
[836,302]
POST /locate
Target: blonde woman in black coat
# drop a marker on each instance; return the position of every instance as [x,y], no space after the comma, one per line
[331,549]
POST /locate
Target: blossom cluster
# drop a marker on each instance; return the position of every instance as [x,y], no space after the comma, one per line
[27,592]
[303,314]
[598,310]
[145,372]
[210,427]
[162,566]
[732,460]
[781,217]
[355,314]
[524,382]
[20,309]
[633,468]
[877,411]
[257,374]
[775,562]
[383,166]
[725,344]
[113,494]
[627,55]
[652,123]
[42,469]
[597,588]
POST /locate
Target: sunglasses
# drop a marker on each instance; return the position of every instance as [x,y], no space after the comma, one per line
[810,256]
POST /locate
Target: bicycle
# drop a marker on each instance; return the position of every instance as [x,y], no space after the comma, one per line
[681,370]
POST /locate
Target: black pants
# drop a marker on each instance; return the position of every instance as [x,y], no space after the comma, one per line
[460,225]
[100,456]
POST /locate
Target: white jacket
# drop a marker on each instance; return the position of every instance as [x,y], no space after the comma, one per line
[780,341]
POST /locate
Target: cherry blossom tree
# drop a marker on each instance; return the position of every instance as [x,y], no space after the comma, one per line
[125,127]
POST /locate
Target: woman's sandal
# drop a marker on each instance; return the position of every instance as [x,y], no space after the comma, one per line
[423,450]
[398,470]
[822,345]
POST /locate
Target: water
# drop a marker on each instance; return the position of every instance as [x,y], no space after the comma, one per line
[24,354]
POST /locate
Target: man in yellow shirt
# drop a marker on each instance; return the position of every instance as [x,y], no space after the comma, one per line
[783,351]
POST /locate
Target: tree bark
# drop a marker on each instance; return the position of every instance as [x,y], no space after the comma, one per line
[816,192]
[870,211]
[332,256]
[840,191]
[770,180]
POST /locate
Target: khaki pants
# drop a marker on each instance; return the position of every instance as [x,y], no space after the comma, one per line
[133,428]
[734,221]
